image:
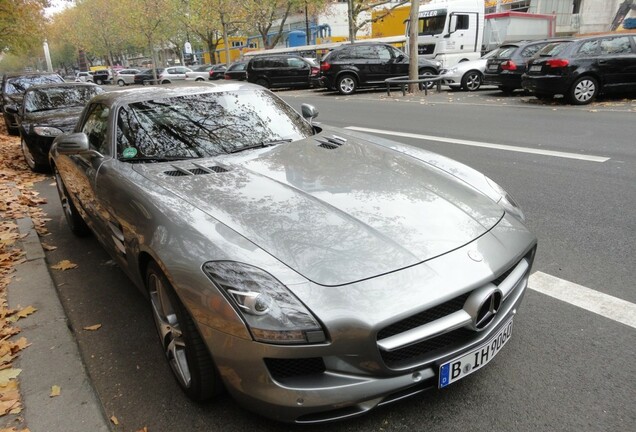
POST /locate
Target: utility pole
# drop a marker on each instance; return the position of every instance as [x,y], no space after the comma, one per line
[413,54]
[307,35]
[352,25]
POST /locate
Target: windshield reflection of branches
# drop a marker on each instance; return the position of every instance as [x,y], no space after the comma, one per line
[59,97]
[207,124]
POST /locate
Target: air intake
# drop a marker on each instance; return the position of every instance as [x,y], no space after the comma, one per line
[331,143]
[198,170]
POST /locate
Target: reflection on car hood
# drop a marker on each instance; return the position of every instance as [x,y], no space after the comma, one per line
[335,215]
[63,118]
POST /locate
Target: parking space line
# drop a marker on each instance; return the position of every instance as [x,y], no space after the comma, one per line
[602,304]
[589,158]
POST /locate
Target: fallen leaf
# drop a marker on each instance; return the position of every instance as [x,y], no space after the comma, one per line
[114,420]
[8,374]
[55,391]
[93,327]
[64,265]
[26,312]
[145,429]
[47,247]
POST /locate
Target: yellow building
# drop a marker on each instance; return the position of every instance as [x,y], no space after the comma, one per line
[390,25]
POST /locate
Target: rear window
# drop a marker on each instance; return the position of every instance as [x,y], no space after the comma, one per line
[616,46]
[554,49]
[531,50]
[505,52]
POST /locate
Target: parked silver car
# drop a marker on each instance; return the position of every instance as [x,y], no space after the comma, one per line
[174,73]
[126,76]
[313,272]
[468,75]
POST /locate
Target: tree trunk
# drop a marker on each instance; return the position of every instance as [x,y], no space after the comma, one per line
[413,54]
[352,24]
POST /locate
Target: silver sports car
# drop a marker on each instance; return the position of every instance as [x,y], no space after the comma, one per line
[313,272]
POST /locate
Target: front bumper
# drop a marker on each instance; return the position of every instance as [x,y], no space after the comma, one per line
[351,373]
[450,78]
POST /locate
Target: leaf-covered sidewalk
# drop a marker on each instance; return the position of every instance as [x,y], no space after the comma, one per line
[18,199]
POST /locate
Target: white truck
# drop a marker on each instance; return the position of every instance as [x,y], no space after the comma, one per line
[452,31]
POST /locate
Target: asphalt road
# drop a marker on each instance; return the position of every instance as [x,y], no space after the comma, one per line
[565,369]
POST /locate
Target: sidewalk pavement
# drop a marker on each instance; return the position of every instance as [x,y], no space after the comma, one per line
[53,357]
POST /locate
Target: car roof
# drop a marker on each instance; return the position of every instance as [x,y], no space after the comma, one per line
[58,85]
[140,94]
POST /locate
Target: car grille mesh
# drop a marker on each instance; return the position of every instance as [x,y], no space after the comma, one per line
[331,143]
[437,346]
[291,368]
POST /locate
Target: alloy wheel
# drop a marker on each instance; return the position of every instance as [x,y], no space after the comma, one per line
[347,85]
[169,329]
[585,90]
[28,156]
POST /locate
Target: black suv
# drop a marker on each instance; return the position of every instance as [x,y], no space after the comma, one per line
[281,70]
[583,68]
[367,64]
[13,88]
[504,69]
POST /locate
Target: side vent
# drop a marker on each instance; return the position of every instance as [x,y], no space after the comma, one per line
[331,143]
[198,170]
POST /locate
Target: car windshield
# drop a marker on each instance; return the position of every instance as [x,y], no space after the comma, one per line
[237,67]
[202,125]
[432,23]
[22,83]
[44,99]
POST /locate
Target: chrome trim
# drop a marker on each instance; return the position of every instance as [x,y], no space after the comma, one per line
[509,283]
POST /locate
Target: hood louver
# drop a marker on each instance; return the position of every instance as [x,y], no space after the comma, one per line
[331,143]
[198,170]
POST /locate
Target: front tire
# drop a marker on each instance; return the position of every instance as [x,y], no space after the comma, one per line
[185,350]
[583,91]
[73,218]
[471,81]
[121,83]
[33,164]
[98,81]
[346,84]
[427,73]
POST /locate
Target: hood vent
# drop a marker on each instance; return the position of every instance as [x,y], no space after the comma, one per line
[331,143]
[198,170]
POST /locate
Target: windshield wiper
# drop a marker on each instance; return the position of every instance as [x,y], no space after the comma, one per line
[261,144]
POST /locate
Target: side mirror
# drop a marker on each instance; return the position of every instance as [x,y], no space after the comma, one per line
[11,109]
[71,143]
[452,26]
[400,58]
[309,112]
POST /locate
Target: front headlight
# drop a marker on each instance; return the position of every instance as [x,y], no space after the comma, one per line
[47,131]
[452,70]
[272,313]
[506,201]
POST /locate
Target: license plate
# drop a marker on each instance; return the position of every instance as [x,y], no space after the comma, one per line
[493,67]
[535,68]
[463,366]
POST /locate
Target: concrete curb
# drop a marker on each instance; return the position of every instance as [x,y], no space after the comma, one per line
[53,357]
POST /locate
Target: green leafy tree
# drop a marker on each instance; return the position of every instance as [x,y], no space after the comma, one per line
[21,24]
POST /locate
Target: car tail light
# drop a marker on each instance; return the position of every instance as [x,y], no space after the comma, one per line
[314,71]
[324,66]
[509,65]
[557,63]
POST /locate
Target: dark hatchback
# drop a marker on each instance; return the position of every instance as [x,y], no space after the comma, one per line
[236,71]
[13,88]
[217,71]
[146,77]
[504,69]
[583,68]
[48,111]
[281,70]
[367,64]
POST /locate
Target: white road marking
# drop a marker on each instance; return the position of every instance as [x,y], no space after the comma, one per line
[589,158]
[586,298]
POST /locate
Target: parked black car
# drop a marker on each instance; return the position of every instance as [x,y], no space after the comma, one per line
[47,111]
[102,76]
[367,64]
[583,68]
[145,77]
[504,69]
[281,70]
[13,88]
[217,71]
[236,71]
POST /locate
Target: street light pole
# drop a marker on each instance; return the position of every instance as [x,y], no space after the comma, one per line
[308,36]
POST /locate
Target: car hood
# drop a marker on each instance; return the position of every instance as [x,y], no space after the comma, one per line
[335,213]
[63,118]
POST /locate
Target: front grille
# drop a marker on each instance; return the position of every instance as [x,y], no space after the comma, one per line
[427,350]
[292,368]
[426,49]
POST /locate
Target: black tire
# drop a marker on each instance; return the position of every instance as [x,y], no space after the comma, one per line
[10,130]
[471,81]
[346,84]
[543,96]
[30,160]
[73,218]
[121,83]
[426,73]
[199,79]
[165,82]
[195,372]
[583,91]
[99,81]
[262,82]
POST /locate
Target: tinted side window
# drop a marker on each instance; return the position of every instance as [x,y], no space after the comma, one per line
[462,22]
[96,126]
[616,45]
[589,48]
[365,52]
[296,63]
[383,53]
[256,63]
